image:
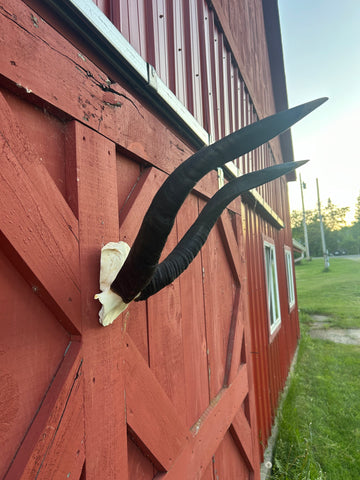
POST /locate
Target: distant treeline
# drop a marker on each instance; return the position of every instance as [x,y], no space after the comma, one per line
[340,238]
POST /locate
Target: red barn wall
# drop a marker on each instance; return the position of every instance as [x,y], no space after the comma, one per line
[216,60]
[83,153]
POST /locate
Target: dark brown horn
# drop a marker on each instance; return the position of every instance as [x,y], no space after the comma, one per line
[143,258]
[191,243]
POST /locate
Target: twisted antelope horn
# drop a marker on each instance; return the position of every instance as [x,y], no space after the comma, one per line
[191,243]
[144,255]
[141,263]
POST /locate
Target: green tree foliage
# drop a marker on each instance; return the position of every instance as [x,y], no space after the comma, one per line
[355,229]
[357,210]
[339,236]
[311,216]
[334,217]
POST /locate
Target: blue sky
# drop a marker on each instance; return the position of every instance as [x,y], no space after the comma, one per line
[321,43]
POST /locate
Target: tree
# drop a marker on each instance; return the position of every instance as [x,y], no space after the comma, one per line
[297,218]
[339,237]
[313,229]
[355,229]
[334,217]
[357,210]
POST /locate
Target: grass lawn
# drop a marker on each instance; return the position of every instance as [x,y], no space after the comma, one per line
[335,293]
[319,426]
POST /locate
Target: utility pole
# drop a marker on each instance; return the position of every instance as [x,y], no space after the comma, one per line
[325,252]
[307,250]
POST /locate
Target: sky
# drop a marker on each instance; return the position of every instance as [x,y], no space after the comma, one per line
[321,44]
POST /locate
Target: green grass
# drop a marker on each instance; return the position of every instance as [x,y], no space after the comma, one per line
[319,425]
[335,292]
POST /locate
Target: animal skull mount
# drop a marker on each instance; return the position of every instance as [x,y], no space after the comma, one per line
[113,256]
[135,274]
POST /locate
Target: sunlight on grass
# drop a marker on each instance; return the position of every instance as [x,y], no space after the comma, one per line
[319,426]
[335,293]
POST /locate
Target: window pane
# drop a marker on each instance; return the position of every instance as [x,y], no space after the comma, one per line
[272,286]
[290,277]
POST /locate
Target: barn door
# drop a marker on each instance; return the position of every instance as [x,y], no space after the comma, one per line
[189,394]
[62,374]
[166,390]
[41,407]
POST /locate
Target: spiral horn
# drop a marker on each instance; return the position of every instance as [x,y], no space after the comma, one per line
[142,261]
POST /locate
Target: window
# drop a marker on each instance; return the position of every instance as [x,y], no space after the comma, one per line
[289,277]
[272,286]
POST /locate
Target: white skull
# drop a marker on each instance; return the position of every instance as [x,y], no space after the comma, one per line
[113,256]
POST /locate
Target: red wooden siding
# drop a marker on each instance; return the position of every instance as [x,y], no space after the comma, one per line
[169,390]
[188,47]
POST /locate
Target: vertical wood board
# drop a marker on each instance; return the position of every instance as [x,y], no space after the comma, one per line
[193,323]
[104,383]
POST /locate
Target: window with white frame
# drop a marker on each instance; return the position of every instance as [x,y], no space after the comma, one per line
[290,277]
[272,286]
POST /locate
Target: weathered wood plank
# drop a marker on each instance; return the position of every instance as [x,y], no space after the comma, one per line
[238,347]
[131,216]
[232,347]
[151,416]
[140,467]
[228,462]
[240,226]
[231,246]
[163,309]
[104,387]
[242,435]
[129,172]
[193,323]
[47,444]
[219,294]
[209,431]
[225,462]
[136,206]
[38,224]
[166,338]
